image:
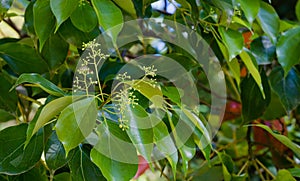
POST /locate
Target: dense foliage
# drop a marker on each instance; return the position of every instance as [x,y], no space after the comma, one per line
[82,101]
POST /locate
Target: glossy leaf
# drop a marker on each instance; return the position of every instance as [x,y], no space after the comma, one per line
[62,10]
[165,145]
[269,21]
[253,102]
[84,17]
[40,82]
[287,49]
[74,36]
[117,160]
[22,58]
[262,51]
[8,99]
[233,41]
[104,9]
[82,168]
[76,122]
[252,67]
[250,8]
[140,134]
[44,21]
[5,116]
[37,173]
[295,172]
[127,6]
[50,110]
[287,88]
[153,93]
[283,139]
[29,20]
[55,51]
[55,155]
[14,158]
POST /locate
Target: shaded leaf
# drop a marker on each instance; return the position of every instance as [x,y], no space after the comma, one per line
[74,36]
[8,99]
[287,49]
[287,88]
[84,17]
[65,176]
[44,21]
[298,10]
[253,102]
[269,21]
[55,51]
[5,116]
[233,41]
[29,20]
[82,168]
[116,159]
[104,9]
[295,172]
[40,82]
[263,50]
[62,10]
[55,155]
[14,158]
[22,58]
[275,109]
[76,122]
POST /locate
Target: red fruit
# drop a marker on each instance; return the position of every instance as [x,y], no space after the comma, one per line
[247,38]
[142,167]
[233,110]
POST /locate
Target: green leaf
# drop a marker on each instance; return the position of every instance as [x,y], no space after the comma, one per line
[114,157]
[141,134]
[40,82]
[250,8]
[127,6]
[173,94]
[8,99]
[38,173]
[269,21]
[287,49]
[22,58]
[253,70]
[44,21]
[234,67]
[74,36]
[104,9]
[151,92]
[50,111]
[295,172]
[254,104]
[284,175]
[5,116]
[65,176]
[29,20]
[165,145]
[82,168]
[55,51]
[84,17]
[62,10]
[262,51]
[298,10]
[233,41]
[55,154]
[275,109]
[76,122]
[287,88]
[14,158]
[283,139]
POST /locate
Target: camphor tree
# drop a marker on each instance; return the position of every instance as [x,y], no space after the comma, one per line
[146,89]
